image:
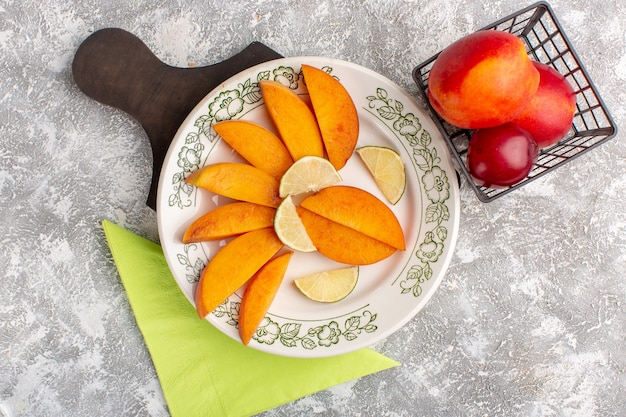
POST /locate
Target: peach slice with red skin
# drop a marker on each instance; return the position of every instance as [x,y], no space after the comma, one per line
[238,181]
[232,266]
[247,138]
[260,293]
[335,112]
[294,120]
[341,243]
[229,220]
[359,210]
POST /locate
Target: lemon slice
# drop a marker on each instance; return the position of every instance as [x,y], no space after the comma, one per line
[328,286]
[387,168]
[289,227]
[309,173]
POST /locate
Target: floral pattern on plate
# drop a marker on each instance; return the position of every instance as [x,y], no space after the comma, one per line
[394,291]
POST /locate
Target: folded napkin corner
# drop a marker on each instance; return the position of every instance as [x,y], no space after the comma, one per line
[202,371]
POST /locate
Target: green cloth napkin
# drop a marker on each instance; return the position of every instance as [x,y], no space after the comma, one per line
[202,371]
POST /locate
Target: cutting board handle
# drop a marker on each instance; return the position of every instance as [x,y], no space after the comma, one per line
[116,68]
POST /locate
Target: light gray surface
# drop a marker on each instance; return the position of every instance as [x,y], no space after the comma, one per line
[529,320]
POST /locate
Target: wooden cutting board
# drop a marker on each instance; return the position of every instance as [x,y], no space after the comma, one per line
[116,68]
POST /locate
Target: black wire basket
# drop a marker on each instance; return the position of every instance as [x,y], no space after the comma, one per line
[545,42]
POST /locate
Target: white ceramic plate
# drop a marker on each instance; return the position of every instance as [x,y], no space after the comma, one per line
[388,293]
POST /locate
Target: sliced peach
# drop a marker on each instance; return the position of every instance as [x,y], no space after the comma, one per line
[229,220]
[294,120]
[233,266]
[257,145]
[335,113]
[238,181]
[341,243]
[260,293]
[358,210]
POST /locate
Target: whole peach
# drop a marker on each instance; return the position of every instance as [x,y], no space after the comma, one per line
[550,113]
[501,156]
[484,79]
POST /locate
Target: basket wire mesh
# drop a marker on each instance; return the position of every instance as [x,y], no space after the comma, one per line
[545,42]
